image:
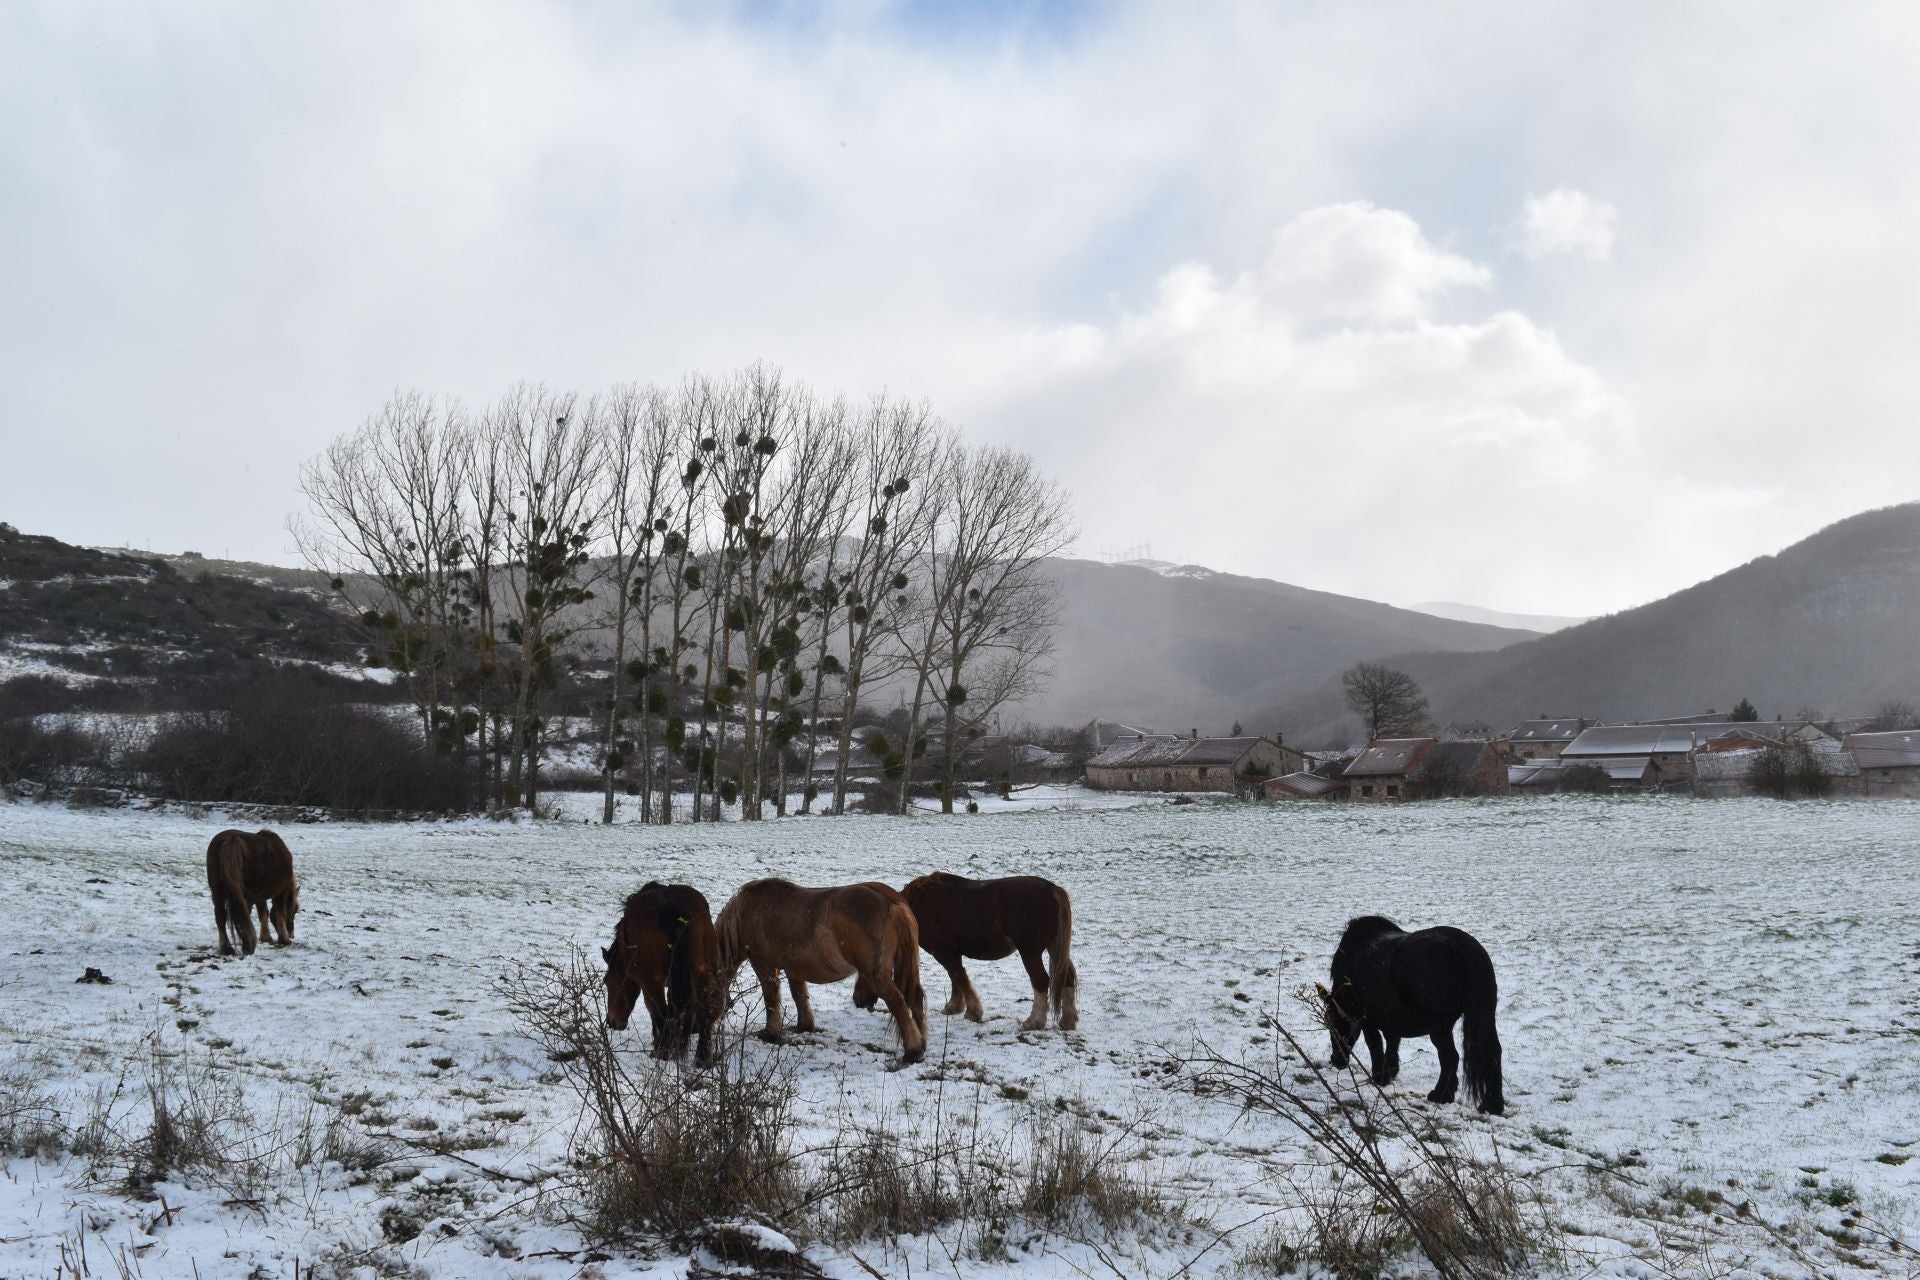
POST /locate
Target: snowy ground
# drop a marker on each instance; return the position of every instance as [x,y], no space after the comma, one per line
[1704,997]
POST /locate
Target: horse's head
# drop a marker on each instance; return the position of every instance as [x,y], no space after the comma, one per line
[293,907]
[623,986]
[1342,1027]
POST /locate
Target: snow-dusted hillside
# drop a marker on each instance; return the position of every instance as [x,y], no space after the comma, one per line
[1715,1002]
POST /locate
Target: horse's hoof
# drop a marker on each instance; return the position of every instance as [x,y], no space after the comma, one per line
[1493,1108]
[1440,1095]
[976,1015]
[771,1037]
[1031,1025]
[1068,1024]
[912,1056]
[951,1007]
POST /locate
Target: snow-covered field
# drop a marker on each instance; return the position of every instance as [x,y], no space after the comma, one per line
[1702,997]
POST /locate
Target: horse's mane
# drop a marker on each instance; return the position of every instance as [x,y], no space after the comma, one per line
[1363,929]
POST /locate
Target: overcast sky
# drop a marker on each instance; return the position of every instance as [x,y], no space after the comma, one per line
[1543,308]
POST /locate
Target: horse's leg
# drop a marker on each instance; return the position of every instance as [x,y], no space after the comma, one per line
[657,1016]
[266,926]
[220,923]
[1382,1074]
[1449,1066]
[913,1040]
[281,934]
[964,996]
[863,996]
[770,995]
[1032,957]
[1393,1058]
[802,1007]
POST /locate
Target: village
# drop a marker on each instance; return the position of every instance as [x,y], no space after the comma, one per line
[1709,755]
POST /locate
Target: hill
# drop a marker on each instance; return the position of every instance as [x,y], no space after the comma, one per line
[1544,623]
[1827,625]
[1177,647]
[102,610]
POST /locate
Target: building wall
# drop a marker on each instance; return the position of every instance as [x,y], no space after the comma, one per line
[1903,782]
[1377,790]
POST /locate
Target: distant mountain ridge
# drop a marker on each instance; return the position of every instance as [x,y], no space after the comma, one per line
[1180,647]
[1831,624]
[1544,623]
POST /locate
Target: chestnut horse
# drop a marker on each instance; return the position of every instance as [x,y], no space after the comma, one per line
[665,949]
[962,919]
[244,873]
[825,935]
[1388,984]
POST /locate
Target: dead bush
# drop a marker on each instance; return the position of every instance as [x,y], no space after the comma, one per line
[1388,1181]
[661,1152]
[31,1123]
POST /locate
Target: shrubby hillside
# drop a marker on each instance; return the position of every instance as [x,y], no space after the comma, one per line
[130,606]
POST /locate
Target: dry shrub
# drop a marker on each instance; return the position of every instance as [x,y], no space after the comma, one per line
[1046,1172]
[31,1123]
[1387,1181]
[665,1153]
[661,1152]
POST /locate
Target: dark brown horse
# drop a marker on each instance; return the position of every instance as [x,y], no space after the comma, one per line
[246,873]
[665,949]
[825,935]
[962,919]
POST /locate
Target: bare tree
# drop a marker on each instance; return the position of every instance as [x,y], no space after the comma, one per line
[1388,702]
[639,478]
[1896,713]
[901,444]
[990,602]
[553,457]
[387,528]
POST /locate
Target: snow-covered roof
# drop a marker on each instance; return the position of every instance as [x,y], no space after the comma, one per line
[1562,730]
[1639,739]
[1894,749]
[1307,786]
[1130,753]
[1386,757]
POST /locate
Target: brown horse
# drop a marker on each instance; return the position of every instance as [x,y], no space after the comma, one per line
[962,919]
[824,935]
[245,873]
[665,949]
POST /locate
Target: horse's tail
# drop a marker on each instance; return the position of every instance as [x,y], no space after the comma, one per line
[906,962]
[226,870]
[728,930]
[1481,1046]
[1064,987]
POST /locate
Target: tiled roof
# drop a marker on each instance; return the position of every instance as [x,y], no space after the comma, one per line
[1134,753]
[1449,761]
[1894,749]
[1386,757]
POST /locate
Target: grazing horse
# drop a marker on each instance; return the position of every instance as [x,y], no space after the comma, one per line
[665,949]
[1390,983]
[824,935]
[962,919]
[245,873]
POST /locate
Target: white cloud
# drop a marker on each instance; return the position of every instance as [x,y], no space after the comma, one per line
[1570,222]
[231,229]
[1380,455]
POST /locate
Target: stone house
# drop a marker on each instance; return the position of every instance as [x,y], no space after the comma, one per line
[1162,763]
[1889,761]
[1383,771]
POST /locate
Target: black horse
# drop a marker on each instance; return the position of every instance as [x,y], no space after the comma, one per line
[1389,984]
